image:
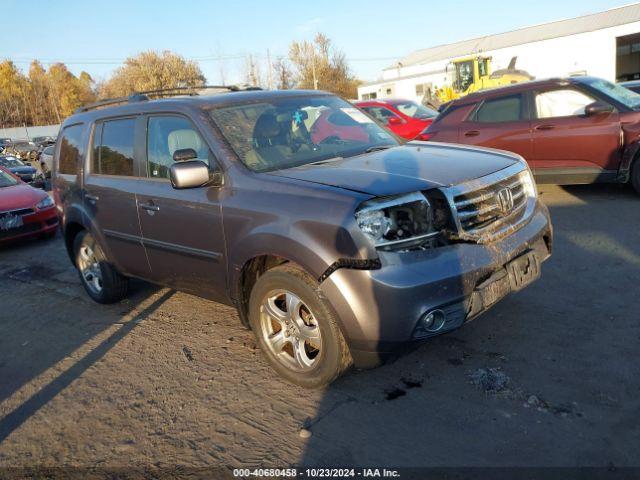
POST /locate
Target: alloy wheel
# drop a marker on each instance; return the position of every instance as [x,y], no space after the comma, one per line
[90,269]
[290,330]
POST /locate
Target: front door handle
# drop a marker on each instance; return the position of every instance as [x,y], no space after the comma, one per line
[92,198]
[472,133]
[149,207]
[545,126]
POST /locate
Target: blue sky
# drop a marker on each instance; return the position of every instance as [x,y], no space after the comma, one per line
[96,36]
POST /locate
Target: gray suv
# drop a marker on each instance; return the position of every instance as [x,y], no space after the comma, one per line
[337,243]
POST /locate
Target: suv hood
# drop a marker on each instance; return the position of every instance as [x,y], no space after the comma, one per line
[407,168]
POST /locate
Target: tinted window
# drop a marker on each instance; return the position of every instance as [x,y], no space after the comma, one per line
[165,136]
[506,109]
[380,113]
[561,103]
[415,110]
[70,150]
[114,152]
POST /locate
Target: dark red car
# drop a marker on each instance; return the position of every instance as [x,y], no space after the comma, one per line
[575,130]
[405,118]
[24,210]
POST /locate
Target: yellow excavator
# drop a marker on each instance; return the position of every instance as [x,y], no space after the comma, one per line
[473,73]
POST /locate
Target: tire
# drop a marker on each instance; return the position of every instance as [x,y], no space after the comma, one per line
[635,175]
[101,281]
[326,356]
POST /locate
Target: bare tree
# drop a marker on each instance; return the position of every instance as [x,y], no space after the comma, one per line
[283,74]
[320,65]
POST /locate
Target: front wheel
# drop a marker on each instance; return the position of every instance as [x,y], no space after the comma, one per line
[100,279]
[296,328]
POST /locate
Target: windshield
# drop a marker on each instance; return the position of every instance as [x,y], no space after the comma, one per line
[288,132]
[619,93]
[415,110]
[7,180]
[10,162]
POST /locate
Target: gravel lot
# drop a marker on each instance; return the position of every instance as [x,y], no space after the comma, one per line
[549,377]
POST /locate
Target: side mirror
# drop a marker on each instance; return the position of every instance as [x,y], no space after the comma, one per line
[188,174]
[597,108]
[395,121]
[184,154]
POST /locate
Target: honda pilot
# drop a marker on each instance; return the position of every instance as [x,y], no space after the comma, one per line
[337,246]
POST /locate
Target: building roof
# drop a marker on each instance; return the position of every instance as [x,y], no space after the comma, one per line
[561,28]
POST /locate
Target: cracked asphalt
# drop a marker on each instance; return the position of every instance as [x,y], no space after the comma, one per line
[548,377]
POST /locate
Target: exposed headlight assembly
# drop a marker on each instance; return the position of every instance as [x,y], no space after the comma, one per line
[397,222]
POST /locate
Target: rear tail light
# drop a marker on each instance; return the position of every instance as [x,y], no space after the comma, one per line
[423,136]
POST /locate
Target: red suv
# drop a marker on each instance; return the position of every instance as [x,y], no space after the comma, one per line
[575,130]
[405,118]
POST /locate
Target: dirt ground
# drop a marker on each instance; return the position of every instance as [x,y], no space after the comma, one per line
[549,377]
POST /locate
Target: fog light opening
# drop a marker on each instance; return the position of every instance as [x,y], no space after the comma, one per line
[433,321]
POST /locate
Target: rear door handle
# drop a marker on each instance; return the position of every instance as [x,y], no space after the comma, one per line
[545,126]
[472,133]
[149,207]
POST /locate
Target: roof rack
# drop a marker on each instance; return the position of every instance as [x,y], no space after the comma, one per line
[160,93]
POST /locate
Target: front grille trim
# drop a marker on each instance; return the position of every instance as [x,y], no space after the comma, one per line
[477,221]
[18,212]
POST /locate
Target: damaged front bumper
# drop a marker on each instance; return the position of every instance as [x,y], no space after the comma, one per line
[382,310]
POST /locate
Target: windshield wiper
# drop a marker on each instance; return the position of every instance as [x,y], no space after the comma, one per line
[326,160]
[375,148]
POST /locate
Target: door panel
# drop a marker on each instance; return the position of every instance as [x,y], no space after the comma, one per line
[513,136]
[183,238]
[500,122]
[564,137]
[570,142]
[110,194]
[111,202]
[181,229]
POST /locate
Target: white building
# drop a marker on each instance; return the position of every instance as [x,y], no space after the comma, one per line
[605,44]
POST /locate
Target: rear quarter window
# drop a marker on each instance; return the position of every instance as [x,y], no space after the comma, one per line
[71,149]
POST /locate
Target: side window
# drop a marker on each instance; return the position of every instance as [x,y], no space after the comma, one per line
[380,113]
[561,103]
[70,150]
[113,152]
[165,135]
[505,109]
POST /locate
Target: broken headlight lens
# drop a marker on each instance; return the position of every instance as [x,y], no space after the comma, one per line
[397,221]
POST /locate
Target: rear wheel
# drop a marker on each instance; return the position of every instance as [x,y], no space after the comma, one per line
[100,279]
[296,328]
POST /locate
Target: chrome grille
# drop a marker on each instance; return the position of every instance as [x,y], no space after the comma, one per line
[480,210]
[489,207]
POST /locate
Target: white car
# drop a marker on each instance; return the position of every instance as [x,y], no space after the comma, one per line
[46,160]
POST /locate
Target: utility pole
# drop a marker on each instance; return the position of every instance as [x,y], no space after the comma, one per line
[269,70]
[221,68]
[313,69]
